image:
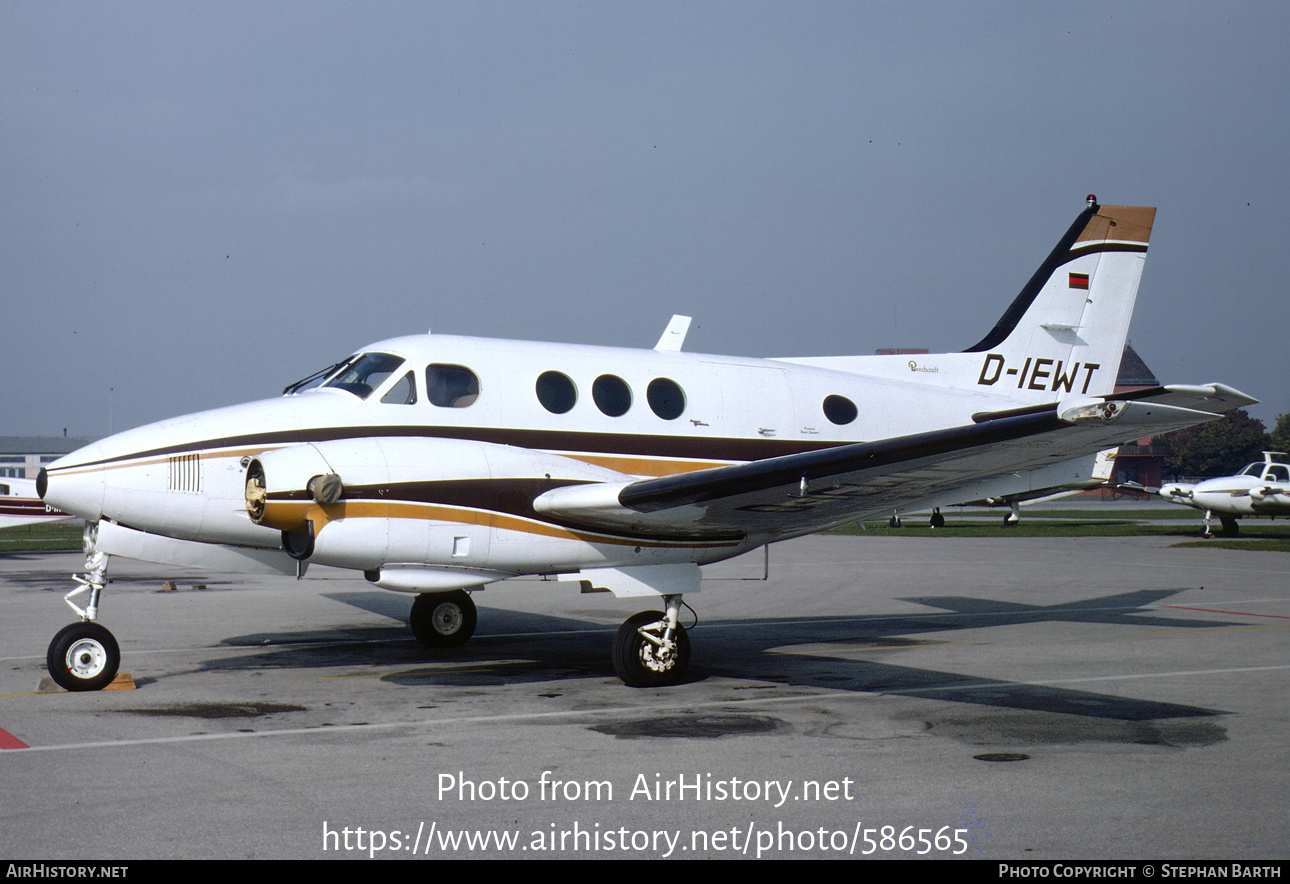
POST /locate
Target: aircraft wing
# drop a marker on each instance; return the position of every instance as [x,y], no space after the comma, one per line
[801,493]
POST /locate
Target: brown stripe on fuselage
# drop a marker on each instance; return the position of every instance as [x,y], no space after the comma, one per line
[652,451]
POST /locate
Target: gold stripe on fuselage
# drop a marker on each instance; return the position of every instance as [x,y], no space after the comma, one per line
[292,515]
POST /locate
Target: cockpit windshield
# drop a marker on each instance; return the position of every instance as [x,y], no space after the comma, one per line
[1254,469]
[365,373]
[316,378]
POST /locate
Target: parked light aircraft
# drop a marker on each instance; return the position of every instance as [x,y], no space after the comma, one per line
[20,505]
[437,464]
[1261,489]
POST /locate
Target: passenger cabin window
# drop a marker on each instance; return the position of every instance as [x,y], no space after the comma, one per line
[612,395]
[666,398]
[402,393]
[451,386]
[1278,473]
[365,374]
[839,409]
[556,392]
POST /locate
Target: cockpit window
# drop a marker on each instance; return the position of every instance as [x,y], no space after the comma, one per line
[1254,469]
[404,391]
[316,378]
[451,386]
[365,374]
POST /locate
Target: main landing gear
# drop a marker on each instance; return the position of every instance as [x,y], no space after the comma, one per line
[651,648]
[443,619]
[1230,526]
[84,656]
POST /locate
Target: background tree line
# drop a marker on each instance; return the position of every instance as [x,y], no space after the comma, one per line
[1221,447]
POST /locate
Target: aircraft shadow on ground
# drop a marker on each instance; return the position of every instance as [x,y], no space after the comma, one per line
[517,648]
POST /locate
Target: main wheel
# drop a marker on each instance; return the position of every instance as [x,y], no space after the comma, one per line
[1230,527]
[639,662]
[443,619]
[937,520]
[83,657]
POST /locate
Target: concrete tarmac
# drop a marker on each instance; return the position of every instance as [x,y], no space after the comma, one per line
[879,695]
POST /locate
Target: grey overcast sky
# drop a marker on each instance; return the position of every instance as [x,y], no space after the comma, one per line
[206,201]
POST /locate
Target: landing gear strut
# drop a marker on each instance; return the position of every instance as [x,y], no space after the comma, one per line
[1229,523]
[84,656]
[651,648]
[443,619]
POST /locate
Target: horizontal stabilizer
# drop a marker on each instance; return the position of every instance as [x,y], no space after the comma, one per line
[1213,398]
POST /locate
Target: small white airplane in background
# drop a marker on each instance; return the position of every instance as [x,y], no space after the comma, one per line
[1261,489]
[438,464]
[21,505]
[1100,473]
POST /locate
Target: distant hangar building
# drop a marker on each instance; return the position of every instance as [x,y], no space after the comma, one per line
[21,457]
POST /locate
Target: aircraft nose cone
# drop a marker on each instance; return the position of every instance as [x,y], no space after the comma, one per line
[79,492]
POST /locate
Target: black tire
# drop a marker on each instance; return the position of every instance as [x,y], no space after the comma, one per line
[443,619]
[83,657]
[937,520]
[894,522]
[1230,527]
[636,660]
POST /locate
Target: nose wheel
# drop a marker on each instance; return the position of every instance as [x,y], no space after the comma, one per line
[83,657]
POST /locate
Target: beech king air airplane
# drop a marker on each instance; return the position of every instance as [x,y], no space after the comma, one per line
[436,464]
[1261,489]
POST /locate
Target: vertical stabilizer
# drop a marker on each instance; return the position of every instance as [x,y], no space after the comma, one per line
[1064,333]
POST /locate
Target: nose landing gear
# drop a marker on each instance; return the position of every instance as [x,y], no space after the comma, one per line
[84,656]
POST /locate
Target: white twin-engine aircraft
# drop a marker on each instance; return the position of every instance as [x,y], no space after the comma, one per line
[1261,489]
[437,464]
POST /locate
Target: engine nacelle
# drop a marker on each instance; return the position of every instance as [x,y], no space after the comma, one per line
[403,503]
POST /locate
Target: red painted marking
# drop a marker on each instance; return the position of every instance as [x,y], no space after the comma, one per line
[1233,613]
[9,741]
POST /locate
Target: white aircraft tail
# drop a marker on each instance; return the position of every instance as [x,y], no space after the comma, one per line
[1064,333]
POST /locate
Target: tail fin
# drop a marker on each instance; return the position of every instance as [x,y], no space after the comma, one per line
[1065,332]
